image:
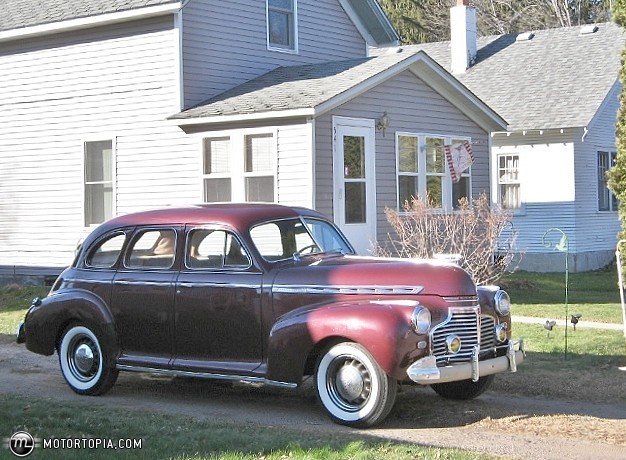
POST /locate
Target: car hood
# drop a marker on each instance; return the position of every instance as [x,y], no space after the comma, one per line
[377,275]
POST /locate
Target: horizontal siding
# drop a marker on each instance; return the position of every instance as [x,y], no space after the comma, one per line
[412,106]
[56,93]
[546,186]
[595,231]
[227,46]
[295,169]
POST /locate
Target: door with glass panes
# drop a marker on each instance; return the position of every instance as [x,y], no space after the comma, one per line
[355,181]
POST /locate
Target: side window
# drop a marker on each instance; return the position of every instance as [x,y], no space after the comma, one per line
[281,25]
[215,249]
[106,253]
[509,182]
[153,249]
[268,241]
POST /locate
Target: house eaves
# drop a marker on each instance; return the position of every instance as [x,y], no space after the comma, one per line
[313,90]
[371,22]
[31,18]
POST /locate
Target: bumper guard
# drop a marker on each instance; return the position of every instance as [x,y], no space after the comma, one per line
[425,371]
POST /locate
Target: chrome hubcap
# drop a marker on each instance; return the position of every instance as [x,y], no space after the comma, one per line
[349,383]
[84,358]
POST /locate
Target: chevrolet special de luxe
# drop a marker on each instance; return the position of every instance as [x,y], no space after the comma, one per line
[269,294]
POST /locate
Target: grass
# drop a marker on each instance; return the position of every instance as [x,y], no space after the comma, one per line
[14,301]
[178,437]
[593,294]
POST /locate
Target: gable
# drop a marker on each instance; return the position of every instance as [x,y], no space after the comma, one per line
[312,90]
[557,79]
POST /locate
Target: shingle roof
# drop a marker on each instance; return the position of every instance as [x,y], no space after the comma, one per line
[293,87]
[17,14]
[557,79]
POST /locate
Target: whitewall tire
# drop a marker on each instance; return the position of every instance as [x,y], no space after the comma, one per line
[83,363]
[352,387]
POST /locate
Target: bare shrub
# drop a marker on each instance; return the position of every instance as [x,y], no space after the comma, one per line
[481,235]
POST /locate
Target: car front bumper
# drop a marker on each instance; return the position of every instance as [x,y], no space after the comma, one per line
[425,371]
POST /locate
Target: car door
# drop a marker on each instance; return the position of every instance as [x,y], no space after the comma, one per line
[218,305]
[143,297]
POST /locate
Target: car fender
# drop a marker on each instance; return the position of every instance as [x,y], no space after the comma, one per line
[382,327]
[46,322]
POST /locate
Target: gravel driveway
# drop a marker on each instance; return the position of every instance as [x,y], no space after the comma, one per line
[517,427]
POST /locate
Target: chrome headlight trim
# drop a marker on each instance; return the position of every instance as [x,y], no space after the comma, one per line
[502,302]
[421,320]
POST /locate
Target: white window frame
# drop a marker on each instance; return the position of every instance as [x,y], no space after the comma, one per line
[216,175]
[112,181]
[603,181]
[237,173]
[422,174]
[293,25]
[500,182]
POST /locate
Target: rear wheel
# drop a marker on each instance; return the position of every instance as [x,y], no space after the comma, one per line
[84,363]
[352,387]
[463,389]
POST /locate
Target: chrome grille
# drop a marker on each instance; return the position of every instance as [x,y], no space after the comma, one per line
[462,322]
[487,333]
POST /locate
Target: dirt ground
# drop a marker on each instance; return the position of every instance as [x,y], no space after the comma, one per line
[513,427]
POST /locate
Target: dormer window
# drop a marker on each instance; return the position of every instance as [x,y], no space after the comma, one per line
[281,25]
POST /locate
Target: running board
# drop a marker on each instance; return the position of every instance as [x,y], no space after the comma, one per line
[207,375]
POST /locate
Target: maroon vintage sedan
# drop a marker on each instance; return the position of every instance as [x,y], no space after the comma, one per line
[269,294]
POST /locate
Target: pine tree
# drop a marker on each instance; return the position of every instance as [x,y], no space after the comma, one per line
[617,174]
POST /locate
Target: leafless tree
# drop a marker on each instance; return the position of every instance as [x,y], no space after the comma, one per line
[429,20]
[480,234]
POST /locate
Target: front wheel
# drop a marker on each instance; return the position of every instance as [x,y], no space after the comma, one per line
[84,365]
[463,389]
[352,387]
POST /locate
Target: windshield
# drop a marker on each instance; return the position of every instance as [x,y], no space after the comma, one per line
[282,239]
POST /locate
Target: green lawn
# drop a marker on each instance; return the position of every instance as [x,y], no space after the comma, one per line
[178,437]
[14,301]
[593,294]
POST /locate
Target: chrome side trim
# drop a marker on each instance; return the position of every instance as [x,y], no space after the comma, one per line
[88,281]
[347,290]
[186,284]
[143,283]
[207,375]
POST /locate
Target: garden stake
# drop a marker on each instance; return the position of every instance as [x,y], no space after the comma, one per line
[562,246]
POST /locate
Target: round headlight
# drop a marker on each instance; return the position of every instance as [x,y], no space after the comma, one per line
[502,303]
[420,320]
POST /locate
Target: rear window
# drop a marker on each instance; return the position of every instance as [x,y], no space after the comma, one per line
[106,252]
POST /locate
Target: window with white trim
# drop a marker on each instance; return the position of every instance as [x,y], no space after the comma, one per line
[216,170]
[509,182]
[606,199]
[99,180]
[239,167]
[259,168]
[423,171]
[282,25]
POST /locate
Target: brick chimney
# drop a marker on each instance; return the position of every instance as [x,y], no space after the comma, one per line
[462,36]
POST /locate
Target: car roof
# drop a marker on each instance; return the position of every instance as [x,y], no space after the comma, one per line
[236,215]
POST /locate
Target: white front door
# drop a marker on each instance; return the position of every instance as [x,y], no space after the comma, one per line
[354,179]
